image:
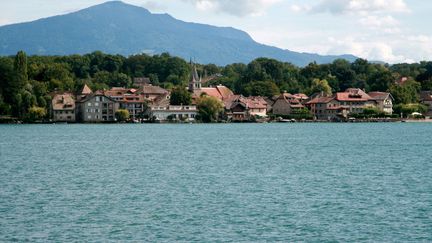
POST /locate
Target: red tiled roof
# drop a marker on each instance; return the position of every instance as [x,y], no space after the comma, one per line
[224,91]
[64,101]
[253,102]
[379,95]
[352,94]
[150,89]
[301,96]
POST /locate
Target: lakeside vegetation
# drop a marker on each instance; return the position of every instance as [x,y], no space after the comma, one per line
[27,82]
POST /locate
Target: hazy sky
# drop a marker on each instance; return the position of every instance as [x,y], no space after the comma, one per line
[387,30]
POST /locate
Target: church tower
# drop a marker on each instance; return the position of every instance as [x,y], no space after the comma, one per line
[195,81]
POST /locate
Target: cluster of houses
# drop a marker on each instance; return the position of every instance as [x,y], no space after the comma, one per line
[153,102]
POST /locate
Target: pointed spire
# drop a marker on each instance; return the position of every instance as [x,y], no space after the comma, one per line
[195,81]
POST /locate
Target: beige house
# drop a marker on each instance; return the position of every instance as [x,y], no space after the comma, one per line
[327,108]
[352,101]
[286,104]
[63,108]
[383,101]
[355,100]
[129,99]
[151,93]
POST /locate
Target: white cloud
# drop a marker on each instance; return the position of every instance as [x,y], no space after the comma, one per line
[300,8]
[236,8]
[375,50]
[360,6]
[387,24]
[154,6]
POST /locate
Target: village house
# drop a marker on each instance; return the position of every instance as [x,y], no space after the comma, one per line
[136,101]
[326,108]
[152,93]
[130,100]
[95,106]
[239,108]
[352,101]
[287,104]
[63,108]
[355,100]
[426,99]
[173,112]
[383,101]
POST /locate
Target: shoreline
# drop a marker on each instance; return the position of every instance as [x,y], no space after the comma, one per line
[190,123]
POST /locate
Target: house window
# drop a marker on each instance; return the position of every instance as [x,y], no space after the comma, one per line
[88,117]
[89,104]
[96,104]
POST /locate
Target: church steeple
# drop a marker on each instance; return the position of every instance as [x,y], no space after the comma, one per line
[195,81]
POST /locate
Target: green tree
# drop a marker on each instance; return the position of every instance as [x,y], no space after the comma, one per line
[180,96]
[122,115]
[262,88]
[408,109]
[36,114]
[319,86]
[20,69]
[209,108]
[406,93]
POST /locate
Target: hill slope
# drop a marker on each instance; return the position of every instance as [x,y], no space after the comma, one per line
[119,28]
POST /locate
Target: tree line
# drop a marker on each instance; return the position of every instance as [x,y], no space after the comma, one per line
[26,82]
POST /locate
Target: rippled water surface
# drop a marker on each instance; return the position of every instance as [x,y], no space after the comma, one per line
[236,182]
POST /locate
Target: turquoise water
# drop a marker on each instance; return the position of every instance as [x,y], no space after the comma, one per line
[207,183]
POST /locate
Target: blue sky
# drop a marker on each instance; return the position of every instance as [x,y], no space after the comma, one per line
[388,30]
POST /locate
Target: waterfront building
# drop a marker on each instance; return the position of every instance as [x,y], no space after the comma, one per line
[352,101]
[287,103]
[327,108]
[426,99]
[95,106]
[63,108]
[136,101]
[240,108]
[173,112]
[129,99]
[383,101]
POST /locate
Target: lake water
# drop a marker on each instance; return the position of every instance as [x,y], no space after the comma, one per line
[206,183]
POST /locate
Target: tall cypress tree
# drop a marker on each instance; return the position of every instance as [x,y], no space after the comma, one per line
[18,82]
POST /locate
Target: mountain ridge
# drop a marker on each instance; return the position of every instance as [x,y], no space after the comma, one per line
[119,28]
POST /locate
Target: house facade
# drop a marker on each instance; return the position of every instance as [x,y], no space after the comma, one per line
[426,99]
[63,108]
[130,100]
[383,101]
[95,106]
[327,108]
[352,101]
[286,104]
[239,108]
[173,112]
